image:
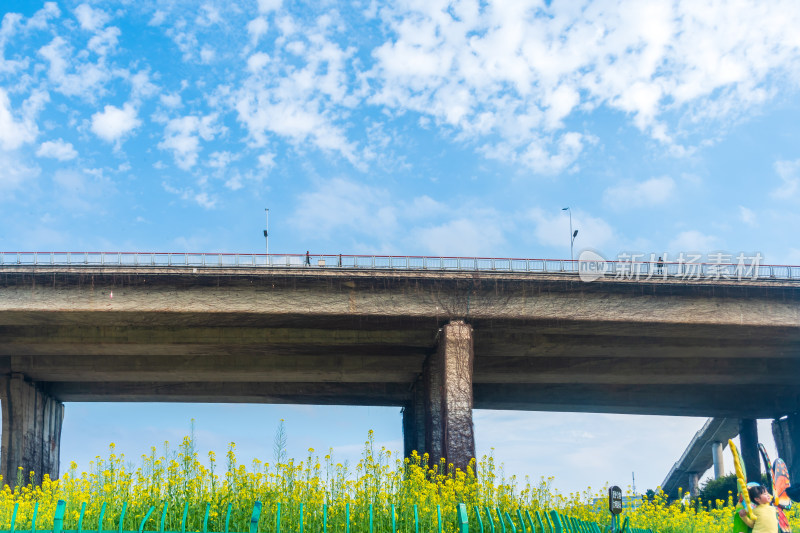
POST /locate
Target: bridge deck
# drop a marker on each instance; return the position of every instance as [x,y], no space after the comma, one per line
[543,341]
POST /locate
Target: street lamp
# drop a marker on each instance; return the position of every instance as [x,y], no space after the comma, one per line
[266,233]
[572,234]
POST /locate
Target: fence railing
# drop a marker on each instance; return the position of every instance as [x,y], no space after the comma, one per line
[749,269]
[465,521]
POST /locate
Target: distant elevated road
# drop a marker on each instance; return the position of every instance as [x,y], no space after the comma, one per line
[699,455]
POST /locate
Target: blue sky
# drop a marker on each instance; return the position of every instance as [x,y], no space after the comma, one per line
[411,127]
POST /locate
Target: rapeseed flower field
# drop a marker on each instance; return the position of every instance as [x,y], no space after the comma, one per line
[190,494]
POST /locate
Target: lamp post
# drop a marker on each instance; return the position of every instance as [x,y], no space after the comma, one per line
[266,233]
[572,234]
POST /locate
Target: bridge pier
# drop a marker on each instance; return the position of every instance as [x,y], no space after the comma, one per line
[31,430]
[718,457]
[786,432]
[748,440]
[438,418]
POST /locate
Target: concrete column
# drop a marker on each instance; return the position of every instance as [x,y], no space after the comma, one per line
[786,432]
[447,378]
[694,484]
[31,431]
[414,421]
[748,440]
[719,459]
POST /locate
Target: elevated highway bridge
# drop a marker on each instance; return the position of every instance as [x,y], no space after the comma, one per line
[436,336]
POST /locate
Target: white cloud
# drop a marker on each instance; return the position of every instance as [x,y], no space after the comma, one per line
[304,98]
[789,172]
[338,203]
[88,78]
[14,133]
[257,28]
[114,123]
[265,6]
[266,161]
[158,18]
[105,41]
[631,194]
[692,241]
[91,19]
[40,19]
[171,100]
[520,69]
[141,86]
[15,174]
[182,136]
[82,190]
[58,149]
[747,216]
[207,54]
[480,235]
[552,229]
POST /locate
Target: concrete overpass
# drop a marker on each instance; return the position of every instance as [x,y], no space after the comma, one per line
[704,450]
[437,342]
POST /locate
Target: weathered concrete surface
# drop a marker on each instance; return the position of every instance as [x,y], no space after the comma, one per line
[31,431]
[541,342]
[447,375]
[699,455]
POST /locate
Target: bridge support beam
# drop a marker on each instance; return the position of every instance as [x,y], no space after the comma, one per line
[444,395]
[748,439]
[31,431]
[719,459]
[786,432]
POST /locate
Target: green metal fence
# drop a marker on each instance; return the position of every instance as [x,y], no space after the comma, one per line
[476,520]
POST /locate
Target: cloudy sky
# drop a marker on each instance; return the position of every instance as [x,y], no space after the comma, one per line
[411,127]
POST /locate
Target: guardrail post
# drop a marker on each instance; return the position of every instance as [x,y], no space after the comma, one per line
[462,520]
[58,518]
[14,516]
[100,520]
[80,518]
[480,520]
[122,515]
[33,520]
[256,515]
[144,520]
[556,521]
[205,518]
[489,516]
[500,518]
[185,515]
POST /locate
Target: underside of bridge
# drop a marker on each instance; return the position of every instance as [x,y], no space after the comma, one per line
[435,343]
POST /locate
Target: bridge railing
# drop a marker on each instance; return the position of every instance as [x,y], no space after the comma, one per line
[641,270]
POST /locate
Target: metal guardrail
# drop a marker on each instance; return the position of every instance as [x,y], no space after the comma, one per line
[545,522]
[639,270]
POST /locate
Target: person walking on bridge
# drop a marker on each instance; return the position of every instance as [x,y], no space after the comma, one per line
[308,259]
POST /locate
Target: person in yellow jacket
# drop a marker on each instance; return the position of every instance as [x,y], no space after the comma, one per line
[766,517]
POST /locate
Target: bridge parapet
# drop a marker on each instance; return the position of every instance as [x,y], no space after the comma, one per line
[745,268]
